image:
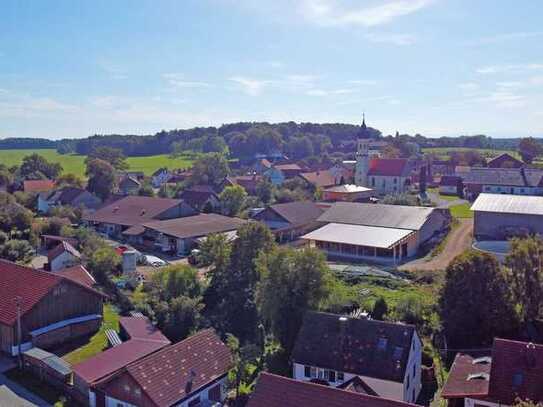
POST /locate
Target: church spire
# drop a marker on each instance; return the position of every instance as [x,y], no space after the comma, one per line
[364,120]
[363,132]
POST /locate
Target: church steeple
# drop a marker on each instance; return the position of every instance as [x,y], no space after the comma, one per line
[364,120]
[363,132]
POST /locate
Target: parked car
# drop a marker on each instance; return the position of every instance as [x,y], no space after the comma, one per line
[194,257]
[154,261]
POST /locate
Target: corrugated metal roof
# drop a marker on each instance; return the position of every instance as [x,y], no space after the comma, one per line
[358,235]
[517,204]
[387,216]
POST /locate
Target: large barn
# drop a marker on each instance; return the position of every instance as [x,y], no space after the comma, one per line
[498,217]
[380,233]
[52,308]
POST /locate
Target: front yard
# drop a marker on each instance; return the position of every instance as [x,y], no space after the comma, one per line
[98,342]
[461,211]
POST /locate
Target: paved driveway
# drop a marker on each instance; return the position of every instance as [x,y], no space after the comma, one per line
[13,395]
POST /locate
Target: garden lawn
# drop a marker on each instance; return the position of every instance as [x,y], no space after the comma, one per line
[461,211]
[98,342]
[75,164]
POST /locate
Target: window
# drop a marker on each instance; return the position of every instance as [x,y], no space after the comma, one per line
[413,399]
[395,180]
[313,372]
[194,402]
[126,388]
[382,343]
[414,370]
[398,352]
[307,371]
[332,377]
[373,182]
[340,376]
[137,392]
[517,380]
[408,381]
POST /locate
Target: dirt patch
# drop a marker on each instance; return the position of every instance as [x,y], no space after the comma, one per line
[458,241]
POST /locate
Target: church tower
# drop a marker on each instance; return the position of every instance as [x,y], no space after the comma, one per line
[362,156]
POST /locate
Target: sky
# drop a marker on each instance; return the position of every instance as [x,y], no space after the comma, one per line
[71,69]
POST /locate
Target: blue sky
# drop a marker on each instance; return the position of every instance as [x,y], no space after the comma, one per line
[436,67]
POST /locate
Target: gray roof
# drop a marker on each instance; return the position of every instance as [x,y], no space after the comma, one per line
[517,177]
[51,360]
[517,204]
[380,215]
[359,235]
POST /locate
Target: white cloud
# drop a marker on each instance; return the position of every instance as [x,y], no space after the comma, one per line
[178,80]
[499,38]
[469,86]
[250,86]
[27,106]
[363,82]
[516,68]
[394,39]
[317,92]
[338,13]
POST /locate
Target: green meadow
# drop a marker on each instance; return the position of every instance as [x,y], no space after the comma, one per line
[75,164]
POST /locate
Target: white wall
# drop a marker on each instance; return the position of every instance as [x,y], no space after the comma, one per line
[473,402]
[413,365]
[204,394]
[385,388]
[111,402]
[387,185]
[512,190]
[63,261]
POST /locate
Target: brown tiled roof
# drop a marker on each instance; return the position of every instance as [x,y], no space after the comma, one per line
[278,391]
[299,212]
[142,328]
[66,195]
[319,178]
[363,347]
[164,375]
[78,274]
[196,226]
[198,195]
[468,377]
[62,247]
[358,385]
[41,185]
[132,210]
[498,161]
[517,371]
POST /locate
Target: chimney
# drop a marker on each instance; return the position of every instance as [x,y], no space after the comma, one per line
[188,386]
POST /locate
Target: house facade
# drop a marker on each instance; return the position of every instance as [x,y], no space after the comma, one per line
[62,256]
[450,185]
[513,181]
[53,309]
[71,196]
[129,186]
[161,177]
[334,349]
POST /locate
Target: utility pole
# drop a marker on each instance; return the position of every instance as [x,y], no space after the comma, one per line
[18,301]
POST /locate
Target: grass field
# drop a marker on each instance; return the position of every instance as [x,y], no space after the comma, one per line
[485,152]
[75,164]
[461,211]
[98,342]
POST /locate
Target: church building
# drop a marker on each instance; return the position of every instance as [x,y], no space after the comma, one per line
[384,175]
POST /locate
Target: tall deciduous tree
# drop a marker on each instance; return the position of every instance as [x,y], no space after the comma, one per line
[233,199]
[529,148]
[210,169]
[101,178]
[292,282]
[475,303]
[230,298]
[524,267]
[113,156]
[36,164]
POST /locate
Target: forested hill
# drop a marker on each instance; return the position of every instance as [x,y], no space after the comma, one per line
[245,139]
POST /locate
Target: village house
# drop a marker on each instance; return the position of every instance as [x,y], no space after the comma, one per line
[36,186]
[334,349]
[203,198]
[290,220]
[129,186]
[160,177]
[192,372]
[248,182]
[78,274]
[70,196]
[450,185]
[62,256]
[344,172]
[514,370]
[347,193]
[179,236]
[129,211]
[320,179]
[278,173]
[505,160]
[53,309]
[277,391]
[515,181]
[441,167]
[499,217]
[376,232]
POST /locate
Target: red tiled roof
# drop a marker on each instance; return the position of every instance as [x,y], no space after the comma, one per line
[391,167]
[278,391]
[459,384]
[114,359]
[62,247]
[28,284]
[164,374]
[512,361]
[319,178]
[41,185]
[143,329]
[132,210]
[78,274]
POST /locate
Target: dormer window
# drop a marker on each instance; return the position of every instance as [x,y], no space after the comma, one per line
[485,360]
[478,376]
